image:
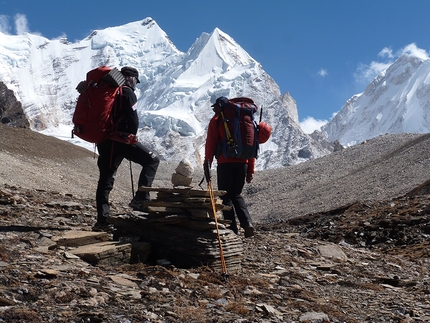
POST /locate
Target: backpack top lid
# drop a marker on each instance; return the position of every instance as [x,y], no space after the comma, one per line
[96,74]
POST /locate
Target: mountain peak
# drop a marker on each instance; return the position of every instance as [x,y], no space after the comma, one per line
[231,52]
[396,101]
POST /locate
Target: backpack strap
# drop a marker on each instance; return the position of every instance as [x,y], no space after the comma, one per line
[231,144]
[237,134]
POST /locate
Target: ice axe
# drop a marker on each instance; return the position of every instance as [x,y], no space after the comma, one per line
[207,171]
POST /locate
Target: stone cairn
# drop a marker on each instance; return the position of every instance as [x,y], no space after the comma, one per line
[180,228]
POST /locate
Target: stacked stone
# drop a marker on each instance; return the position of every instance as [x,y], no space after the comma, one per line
[183,175]
[180,226]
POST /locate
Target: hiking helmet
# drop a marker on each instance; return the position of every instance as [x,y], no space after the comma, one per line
[264,132]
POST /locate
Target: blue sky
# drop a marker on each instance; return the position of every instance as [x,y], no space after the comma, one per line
[321,51]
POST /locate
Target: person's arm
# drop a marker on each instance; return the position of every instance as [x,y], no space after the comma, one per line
[128,105]
[211,140]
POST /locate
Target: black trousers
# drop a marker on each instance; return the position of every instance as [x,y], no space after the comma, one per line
[111,154]
[231,178]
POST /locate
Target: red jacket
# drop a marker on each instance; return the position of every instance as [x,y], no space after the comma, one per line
[215,136]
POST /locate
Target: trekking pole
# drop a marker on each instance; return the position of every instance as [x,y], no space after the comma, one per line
[132,182]
[211,194]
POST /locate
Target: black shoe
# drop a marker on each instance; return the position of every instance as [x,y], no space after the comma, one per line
[103,227]
[249,232]
[139,205]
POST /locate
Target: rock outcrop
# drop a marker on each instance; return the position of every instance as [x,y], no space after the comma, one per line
[11,111]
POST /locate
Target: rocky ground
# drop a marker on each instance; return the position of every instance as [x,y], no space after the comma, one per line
[344,238]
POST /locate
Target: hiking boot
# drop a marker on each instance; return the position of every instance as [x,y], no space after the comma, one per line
[139,205]
[249,232]
[234,229]
[103,227]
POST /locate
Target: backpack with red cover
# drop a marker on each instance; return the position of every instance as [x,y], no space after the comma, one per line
[241,132]
[93,117]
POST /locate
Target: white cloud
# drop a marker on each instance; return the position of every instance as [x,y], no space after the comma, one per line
[322,72]
[21,24]
[412,49]
[310,124]
[388,52]
[4,24]
[366,73]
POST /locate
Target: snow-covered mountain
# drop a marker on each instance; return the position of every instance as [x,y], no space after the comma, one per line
[397,101]
[174,96]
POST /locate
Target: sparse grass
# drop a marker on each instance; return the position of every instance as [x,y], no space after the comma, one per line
[212,293]
[237,307]
[190,314]
[18,315]
[4,254]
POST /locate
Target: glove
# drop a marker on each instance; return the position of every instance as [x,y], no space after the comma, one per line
[249,178]
[132,139]
[124,137]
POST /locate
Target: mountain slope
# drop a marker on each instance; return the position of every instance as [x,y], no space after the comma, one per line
[397,101]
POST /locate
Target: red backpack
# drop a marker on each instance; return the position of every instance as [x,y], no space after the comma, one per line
[93,116]
[241,132]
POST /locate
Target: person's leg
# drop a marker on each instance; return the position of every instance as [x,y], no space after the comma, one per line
[225,183]
[108,164]
[149,161]
[238,181]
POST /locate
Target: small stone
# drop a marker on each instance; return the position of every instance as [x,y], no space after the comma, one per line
[314,317]
[185,168]
[181,180]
